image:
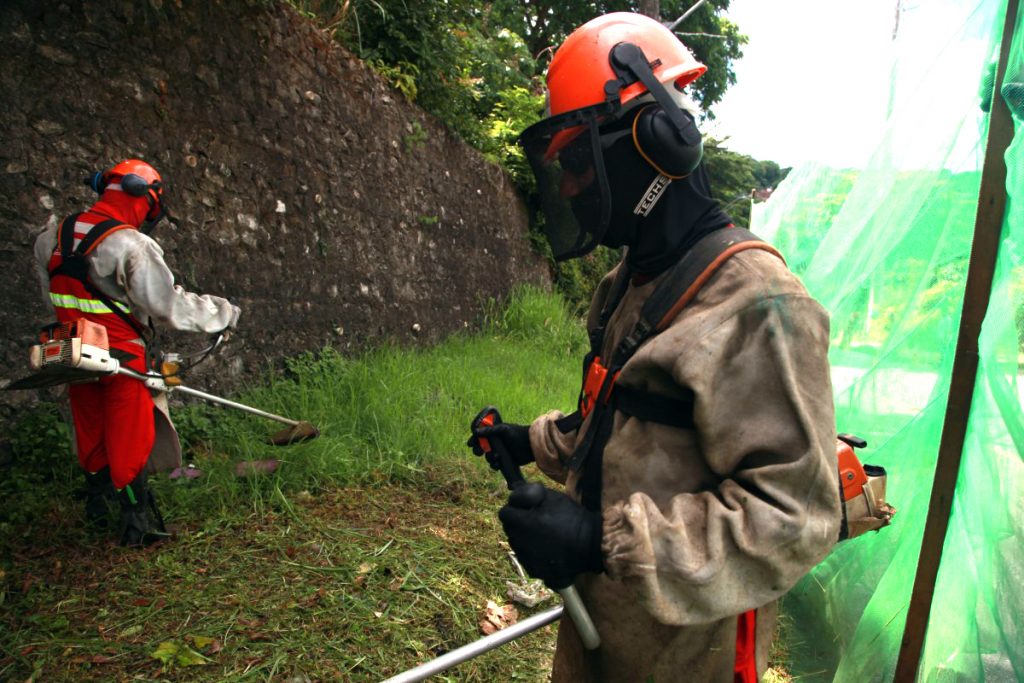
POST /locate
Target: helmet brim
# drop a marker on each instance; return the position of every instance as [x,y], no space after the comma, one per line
[680,75]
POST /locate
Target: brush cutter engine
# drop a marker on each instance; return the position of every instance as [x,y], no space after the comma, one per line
[80,344]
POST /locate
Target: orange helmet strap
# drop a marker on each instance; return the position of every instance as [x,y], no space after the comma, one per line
[630,65]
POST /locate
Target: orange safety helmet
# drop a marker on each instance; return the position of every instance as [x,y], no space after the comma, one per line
[137,179]
[582,66]
[578,154]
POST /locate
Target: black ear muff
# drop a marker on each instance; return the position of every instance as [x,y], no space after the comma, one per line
[136,185]
[95,182]
[672,152]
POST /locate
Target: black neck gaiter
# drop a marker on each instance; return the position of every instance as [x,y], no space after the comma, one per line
[683,215]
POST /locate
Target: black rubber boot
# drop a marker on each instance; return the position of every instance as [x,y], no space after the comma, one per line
[141,522]
[98,489]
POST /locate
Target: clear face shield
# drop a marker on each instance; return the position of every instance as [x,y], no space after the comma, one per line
[565,153]
[157,212]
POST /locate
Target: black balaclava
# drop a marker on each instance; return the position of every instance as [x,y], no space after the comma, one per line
[684,214]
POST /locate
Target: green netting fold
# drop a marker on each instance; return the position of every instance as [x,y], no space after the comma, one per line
[885,248]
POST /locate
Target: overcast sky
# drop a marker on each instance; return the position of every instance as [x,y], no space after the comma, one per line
[813,72]
[817,76]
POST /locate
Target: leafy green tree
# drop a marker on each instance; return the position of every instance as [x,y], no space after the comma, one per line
[732,180]
[714,40]
[768,175]
[479,68]
[452,58]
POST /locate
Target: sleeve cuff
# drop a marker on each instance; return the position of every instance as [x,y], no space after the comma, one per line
[551,447]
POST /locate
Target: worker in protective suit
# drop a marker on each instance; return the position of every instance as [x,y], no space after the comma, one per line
[103,265]
[679,534]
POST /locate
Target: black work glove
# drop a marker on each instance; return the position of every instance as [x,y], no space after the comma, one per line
[554,537]
[515,438]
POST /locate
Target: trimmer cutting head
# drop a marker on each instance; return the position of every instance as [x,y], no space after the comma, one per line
[303,431]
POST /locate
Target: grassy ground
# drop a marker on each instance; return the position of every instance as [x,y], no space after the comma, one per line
[367,551]
[355,583]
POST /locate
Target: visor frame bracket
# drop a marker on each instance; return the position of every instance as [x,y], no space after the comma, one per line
[631,65]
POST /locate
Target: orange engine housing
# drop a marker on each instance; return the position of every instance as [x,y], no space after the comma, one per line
[851,471]
[89,332]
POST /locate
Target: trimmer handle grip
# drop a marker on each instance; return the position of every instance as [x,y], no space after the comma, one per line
[496,453]
[488,417]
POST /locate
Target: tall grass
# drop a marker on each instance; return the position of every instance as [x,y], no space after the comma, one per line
[385,413]
[369,549]
[382,414]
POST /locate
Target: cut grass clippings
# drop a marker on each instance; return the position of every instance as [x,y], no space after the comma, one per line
[358,583]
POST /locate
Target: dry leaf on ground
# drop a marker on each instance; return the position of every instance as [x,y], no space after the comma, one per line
[497,617]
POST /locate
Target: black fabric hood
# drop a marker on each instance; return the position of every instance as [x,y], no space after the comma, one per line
[684,214]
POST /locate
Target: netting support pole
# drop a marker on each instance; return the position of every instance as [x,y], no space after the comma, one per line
[988,226]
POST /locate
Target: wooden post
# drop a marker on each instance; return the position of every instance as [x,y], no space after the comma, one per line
[988,226]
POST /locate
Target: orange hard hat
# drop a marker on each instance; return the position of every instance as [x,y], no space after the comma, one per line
[150,179]
[135,178]
[581,66]
[136,166]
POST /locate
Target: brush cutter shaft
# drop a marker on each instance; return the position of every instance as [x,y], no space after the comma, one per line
[477,648]
[156,382]
[237,406]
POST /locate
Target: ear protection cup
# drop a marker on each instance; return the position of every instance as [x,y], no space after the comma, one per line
[671,152]
[96,183]
[136,185]
[131,183]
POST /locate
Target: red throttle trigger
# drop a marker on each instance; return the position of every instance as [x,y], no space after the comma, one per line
[487,417]
[496,454]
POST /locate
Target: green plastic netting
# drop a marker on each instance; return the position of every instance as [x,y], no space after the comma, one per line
[885,248]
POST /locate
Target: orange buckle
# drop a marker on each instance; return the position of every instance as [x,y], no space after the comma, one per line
[170,370]
[596,375]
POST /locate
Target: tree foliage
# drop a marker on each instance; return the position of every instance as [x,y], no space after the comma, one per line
[471,64]
[452,58]
[479,66]
[714,40]
[738,180]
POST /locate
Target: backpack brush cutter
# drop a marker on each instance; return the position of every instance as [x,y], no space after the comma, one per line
[78,351]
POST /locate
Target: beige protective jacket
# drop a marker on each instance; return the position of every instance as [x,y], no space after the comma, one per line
[702,525]
[129,266]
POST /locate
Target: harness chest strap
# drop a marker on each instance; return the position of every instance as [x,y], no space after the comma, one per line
[95,235]
[678,289]
[861,487]
[74,264]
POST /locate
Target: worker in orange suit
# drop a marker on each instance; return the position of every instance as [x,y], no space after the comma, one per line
[103,265]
